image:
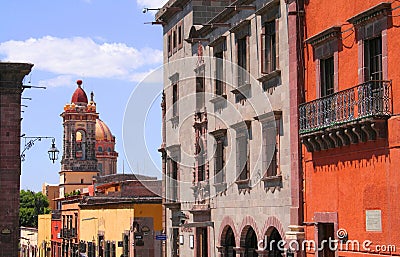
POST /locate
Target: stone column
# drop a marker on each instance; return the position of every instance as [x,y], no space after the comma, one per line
[221,251]
[239,251]
[11,76]
[295,237]
[262,253]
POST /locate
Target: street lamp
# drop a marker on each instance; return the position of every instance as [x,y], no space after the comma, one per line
[53,151]
[145,10]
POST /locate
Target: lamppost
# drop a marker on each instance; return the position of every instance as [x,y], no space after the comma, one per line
[53,151]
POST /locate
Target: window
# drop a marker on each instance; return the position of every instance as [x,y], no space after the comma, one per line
[200,93]
[219,71]
[125,245]
[202,242]
[107,249]
[200,152]
[219,160]
[175,95]
[100,166]
[270,142]
[373,59]
[327,76]
[201,171]
[175,242]
[325,235]
[169,43]
[242,52]
[242,154]
[113,250]
[180,35]
[91,249]
[174,40]
[174,181]
[81,180]
[100,149]
[373,74]
[269,47]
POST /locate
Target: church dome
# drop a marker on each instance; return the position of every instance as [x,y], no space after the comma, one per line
[79,95]
[103,133]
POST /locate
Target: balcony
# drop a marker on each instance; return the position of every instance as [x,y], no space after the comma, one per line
[354,115]
[68,233]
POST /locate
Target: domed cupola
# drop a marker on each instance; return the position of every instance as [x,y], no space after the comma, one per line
[105,149]
[79,96]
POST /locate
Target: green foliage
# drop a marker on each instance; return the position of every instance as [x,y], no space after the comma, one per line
[31,205]
[66,195]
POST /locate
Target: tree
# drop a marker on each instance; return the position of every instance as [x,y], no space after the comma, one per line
[31,206]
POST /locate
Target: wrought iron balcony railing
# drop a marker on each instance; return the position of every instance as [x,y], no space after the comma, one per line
[68,233]
[368,100]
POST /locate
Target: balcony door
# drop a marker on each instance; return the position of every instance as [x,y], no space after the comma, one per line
[327,76]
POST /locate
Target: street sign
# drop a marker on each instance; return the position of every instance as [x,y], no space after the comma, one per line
[138,237]
[161,237]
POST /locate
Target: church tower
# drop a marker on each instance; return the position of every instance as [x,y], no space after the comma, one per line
[79,163]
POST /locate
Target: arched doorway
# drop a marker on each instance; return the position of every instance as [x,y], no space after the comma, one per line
[230,243]
[273,243]
[250,243]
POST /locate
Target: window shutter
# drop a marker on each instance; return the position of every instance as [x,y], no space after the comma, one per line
[169,43]
[276,44]
[263,57]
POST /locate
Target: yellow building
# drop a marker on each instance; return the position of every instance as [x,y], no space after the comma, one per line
[109,225]
[44,235]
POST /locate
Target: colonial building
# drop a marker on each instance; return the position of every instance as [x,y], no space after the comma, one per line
[28,242]
[89,146]
[231,184]
[124,224]
[44,235]
[119,216]
[349,127]
[51,192]
[11,76]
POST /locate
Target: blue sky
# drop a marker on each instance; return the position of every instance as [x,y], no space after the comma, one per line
[107,45]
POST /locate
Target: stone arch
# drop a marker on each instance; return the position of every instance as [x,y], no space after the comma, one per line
[270,223]
[225,224]
[80,143]
[247,223]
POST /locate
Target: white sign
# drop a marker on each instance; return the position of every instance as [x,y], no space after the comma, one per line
[373,220]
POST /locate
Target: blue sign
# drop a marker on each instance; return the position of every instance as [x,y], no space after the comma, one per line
[161,237]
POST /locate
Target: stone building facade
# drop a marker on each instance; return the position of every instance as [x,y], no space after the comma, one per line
[11,76]
[227,162]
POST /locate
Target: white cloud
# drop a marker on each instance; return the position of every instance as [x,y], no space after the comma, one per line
[62,80]
[151,3]
[151,76]
[79,56]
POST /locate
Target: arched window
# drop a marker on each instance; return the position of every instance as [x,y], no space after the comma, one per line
[100,149]
[109,150]
[80,144]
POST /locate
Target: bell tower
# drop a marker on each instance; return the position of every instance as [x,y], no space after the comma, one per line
[79,163]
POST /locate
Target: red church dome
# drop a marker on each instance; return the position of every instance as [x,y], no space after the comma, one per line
[79,95]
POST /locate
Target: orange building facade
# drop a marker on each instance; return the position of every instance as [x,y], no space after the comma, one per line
[349,128]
